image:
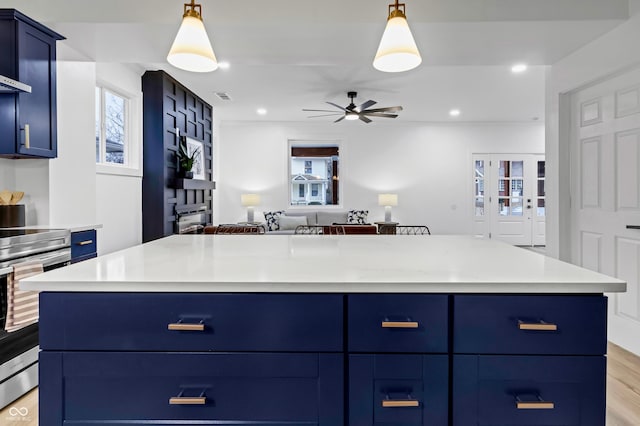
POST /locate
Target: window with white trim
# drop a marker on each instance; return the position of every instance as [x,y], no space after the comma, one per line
[113,127]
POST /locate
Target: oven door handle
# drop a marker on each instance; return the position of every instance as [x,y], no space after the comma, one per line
[55,258]
[59,257]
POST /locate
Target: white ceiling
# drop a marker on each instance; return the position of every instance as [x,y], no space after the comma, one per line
[286,55]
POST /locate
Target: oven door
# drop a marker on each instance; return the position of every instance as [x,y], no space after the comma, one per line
[19,349]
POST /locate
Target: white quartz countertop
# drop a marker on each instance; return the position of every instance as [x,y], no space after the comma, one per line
[329,264]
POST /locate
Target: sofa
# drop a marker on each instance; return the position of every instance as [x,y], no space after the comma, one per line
[288,220]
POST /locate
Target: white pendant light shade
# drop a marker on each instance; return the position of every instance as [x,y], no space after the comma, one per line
[191,49]
[397,51]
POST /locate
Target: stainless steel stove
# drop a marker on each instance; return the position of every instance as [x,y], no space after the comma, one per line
[19,349]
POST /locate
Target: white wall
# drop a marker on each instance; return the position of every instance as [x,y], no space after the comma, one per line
[72,182]
[427,165]
[7,174]
[611,53]
[118,194]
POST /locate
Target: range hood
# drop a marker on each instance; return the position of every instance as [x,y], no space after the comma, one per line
[9,85]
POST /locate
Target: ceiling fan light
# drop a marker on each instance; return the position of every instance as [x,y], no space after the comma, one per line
[191,49]
[351,116]
[397,51]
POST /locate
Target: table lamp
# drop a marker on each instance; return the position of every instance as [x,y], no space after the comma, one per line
[249,201]
[387,200]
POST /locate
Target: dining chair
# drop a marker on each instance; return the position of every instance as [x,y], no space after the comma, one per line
[319,230]
[233,229]
[404,230]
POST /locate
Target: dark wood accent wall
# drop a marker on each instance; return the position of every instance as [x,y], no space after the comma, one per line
[168,105]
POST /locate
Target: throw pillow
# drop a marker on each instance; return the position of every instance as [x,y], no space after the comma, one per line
[271,218]
[291,222]
[357,217]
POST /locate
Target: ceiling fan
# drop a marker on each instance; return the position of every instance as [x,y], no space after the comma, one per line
[353,112]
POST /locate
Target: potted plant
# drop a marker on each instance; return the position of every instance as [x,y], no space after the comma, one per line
[185,161]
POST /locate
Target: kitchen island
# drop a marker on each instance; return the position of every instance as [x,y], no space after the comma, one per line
[323,330]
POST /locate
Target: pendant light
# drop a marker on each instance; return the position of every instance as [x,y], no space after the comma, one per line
[397,51]
[191,49]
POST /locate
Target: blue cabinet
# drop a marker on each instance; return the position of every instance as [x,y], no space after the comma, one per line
[205,359]
[191,322]
[83,245]
[28,121]
[322,359]
[198,388]
[529,390]
[398,389]
[398,323]
[528,360]
[527,325]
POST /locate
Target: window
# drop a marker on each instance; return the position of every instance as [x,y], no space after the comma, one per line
[314,174]
[112,127]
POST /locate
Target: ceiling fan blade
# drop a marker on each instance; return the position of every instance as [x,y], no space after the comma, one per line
[321,110]
[385,109]
[379,114]
[366,105]
[340,119]
[337,106]
[363,118]
[325,115]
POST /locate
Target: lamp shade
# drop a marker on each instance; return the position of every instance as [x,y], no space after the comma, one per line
[397,51]
[249,200]
[191,49]
[387,199]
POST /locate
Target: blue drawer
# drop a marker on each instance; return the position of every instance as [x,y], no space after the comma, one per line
[398,323]
[398,390]
[528,390]
[83,245]
[238,388]
[219,322]
[561,325]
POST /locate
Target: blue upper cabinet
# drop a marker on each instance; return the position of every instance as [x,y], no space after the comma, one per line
[28,121]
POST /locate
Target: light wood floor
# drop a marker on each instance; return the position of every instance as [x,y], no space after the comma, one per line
[623,393]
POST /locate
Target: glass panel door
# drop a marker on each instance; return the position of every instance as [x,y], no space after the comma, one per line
[509,195]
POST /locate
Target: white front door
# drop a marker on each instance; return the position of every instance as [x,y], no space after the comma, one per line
[509,197]
[605,193]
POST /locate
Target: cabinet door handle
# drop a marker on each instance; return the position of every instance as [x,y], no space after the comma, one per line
[398,403]
[185,326]
[400,324]
[537,326]
[85,243]
[540,404]
[27,142]
[633,226]
[188,400]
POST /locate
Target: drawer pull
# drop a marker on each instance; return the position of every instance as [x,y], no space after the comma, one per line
[188,400]
[185,326]
[537,326]
[399,324]
[540,404]
[399,403]
[85,243]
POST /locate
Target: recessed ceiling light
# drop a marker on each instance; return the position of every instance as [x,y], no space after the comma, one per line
[454,112]
[224,65]
[261,111]
[518,68]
